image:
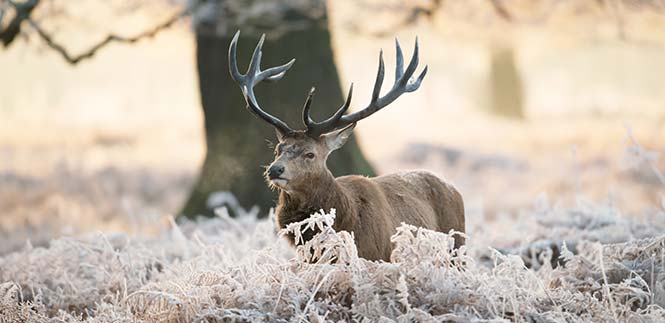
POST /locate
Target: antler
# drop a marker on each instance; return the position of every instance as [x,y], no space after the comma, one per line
[254,76]
[403,83]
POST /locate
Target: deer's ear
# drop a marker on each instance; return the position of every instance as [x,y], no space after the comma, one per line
[335,140]
[280,136]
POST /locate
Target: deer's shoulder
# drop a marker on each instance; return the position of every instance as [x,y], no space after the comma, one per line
[418,183]
[411,177]
[355,182]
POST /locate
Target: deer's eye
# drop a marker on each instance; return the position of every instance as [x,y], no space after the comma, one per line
[309,155]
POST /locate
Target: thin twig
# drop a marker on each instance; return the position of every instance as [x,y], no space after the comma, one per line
[90,52]
[22,12]
[501,10]
[606,288]
[316,290]
[539,18]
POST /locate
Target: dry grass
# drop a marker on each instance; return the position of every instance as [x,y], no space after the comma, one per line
[224,269]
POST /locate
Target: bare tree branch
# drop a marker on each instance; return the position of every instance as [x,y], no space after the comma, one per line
[22,12]
[89,53]
[410,13]
[501,10]
[539,18]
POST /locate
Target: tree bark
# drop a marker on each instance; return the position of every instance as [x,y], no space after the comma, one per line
[236,140]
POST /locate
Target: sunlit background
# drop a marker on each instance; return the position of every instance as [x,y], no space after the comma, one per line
[524,101]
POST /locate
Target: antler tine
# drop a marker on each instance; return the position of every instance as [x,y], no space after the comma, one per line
[379,78]
[306,119]
[403,84]
[399,68]
[315,129]
[233,60]
[399,61]
[255,62]
[414,85]
[413,64]
[343,108]
[254,76]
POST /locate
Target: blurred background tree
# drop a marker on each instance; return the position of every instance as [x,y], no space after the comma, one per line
[506,96]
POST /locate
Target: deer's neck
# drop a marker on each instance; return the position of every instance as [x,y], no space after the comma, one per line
[326,194]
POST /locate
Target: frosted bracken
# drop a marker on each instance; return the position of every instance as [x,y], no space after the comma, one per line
[610,268]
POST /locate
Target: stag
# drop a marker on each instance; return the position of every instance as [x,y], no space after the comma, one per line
[371,208]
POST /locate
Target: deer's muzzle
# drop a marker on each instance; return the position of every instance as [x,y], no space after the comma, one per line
[275,171]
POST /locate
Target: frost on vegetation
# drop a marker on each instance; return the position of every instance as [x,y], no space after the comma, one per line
[605,268]
[641,160]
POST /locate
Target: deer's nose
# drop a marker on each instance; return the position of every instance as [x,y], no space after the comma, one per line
[275,171]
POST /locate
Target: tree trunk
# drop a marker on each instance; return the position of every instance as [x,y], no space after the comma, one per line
[506,98]
[236,140]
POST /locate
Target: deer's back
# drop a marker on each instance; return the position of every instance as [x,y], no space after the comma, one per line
[422,197]
[418,198]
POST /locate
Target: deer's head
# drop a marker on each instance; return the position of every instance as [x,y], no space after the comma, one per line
[300,158]
[300,155]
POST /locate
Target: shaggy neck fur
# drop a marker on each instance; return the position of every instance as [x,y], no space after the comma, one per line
[323,193]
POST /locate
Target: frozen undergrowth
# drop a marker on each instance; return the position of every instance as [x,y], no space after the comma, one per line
[227,269]
[548,264]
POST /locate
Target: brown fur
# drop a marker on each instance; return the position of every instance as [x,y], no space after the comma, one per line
[371,208]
